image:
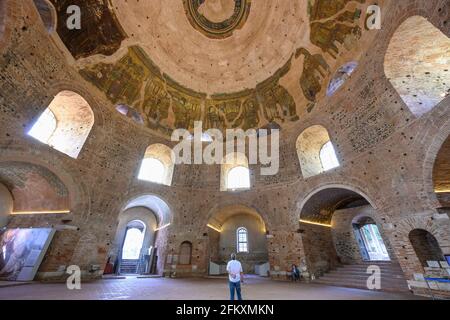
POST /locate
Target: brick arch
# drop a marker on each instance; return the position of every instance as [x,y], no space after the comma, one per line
[436,142]
[78,194]
[401,12]
[96,105]
[232,206]
[354,186]
[154,203]
[403,247]
[430,225]
[425,246]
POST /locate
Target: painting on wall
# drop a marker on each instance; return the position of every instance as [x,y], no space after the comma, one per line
[22,251]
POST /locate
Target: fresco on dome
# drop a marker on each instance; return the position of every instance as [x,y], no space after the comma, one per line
[133,79]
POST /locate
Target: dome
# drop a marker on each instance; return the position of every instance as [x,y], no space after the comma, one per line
[229,63]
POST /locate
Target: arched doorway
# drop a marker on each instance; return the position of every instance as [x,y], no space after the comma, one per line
[141,237]
[342,236]
[370,241]
[240,230]
[425,246]
[134,240]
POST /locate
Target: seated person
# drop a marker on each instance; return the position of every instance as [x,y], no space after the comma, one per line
[295,273]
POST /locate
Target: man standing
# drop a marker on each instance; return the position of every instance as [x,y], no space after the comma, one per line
[236,276]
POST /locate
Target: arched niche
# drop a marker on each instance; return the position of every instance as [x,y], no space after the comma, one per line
[35,189]
[441,174]
[310,146]
[417,63]
[66,123]
[6,205]
[223,232]
[157,165]
[425,246]
[185,254]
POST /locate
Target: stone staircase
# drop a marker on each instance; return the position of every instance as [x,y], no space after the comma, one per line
[355,276]
[129,266]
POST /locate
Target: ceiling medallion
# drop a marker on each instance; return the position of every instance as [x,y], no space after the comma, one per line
[214,29]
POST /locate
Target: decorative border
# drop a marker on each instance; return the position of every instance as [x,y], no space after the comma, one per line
[215,30]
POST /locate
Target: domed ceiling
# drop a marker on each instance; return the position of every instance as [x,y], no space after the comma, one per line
[229,63]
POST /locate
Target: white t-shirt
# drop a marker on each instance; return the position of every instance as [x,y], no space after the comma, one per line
[234,269]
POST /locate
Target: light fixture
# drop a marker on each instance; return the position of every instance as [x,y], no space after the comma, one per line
[442,191]
[214,228]
[316,223]
[41,212]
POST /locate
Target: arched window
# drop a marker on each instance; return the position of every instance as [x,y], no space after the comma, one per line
[315,151]
[242,240]
[235,173]
[130,112]
[157,165]
[340,77]
[66,123]
[417,63]
[152,170]
[328,157]
[45,127]
[185,253]
[239,178]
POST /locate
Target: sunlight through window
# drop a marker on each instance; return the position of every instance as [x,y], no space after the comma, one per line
[239,178]
[133,244]
[44,127]
[328,157]
[242,240]
[152,170]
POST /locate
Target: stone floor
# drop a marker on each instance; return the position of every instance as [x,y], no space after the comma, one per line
[190,289]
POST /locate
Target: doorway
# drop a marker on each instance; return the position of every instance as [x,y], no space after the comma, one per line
[132,246]
[370,241]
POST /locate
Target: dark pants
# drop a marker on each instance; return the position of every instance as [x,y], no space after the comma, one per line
[235,286]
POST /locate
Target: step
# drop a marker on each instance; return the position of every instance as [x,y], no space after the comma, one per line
[362,286]
[362,278]
[364,273]
[365,266]
[355,276]
[359,282]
